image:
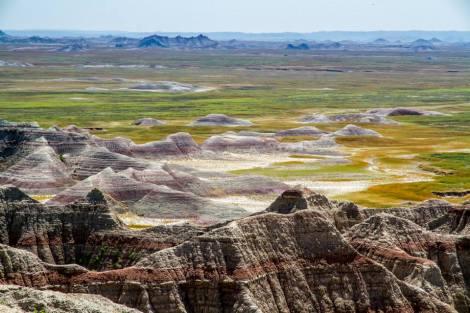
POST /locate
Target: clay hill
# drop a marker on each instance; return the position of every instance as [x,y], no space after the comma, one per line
[304,253]
[64,165]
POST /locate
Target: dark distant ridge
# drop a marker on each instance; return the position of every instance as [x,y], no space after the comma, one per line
[422,45]
[74,47]
[381,41]
[367,36]
[3,34]
[157,41]
[4,38]
[302,46]
[328,45]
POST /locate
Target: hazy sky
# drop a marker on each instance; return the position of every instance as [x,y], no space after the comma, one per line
[235,15]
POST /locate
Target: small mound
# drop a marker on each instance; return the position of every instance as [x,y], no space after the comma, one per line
[326,145]
[353,130]
[301,131]
[402,112]
[347,118]
[240,143]
[147,121]
[220,120]
[75,129]
[294,200]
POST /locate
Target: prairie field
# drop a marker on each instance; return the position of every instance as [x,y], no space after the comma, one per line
[273,89]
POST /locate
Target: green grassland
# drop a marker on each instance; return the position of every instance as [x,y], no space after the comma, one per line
[273,90]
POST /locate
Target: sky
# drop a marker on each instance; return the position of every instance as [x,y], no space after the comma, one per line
[256,16]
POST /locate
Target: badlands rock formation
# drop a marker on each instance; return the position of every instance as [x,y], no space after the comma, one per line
[95,159]
[220,120]
[301,131]
[303,254]
[237,143]
[15,299]
[147,121]
[233,142]
[346,118]
[353,130]
[196,42]
[402,111]
[171,191]
[41,172]
[326,145]
[176,145]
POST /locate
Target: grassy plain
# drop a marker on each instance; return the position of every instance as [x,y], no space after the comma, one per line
[273,89]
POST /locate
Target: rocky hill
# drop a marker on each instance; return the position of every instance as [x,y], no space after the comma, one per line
[305,253]
[157,41]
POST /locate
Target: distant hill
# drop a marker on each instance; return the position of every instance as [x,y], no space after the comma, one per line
[369,36]
[74,47]
[381,41]
[326,45]
[3,34]
[302,46]
[422,45]
[157,41]
[41,40]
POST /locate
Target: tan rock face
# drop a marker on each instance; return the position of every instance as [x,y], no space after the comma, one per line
[270,263]
[424,259]
[15,299]
[296,261]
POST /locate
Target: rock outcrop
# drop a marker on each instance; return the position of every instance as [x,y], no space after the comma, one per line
[220,120]
[19,140]
[116,145]
[326,145]
[176,145]
[198,42]
[402,111]
[95,159]
[74,47]
[147,121]
[302,46]
[15,299]
[235,143]
[10,194]
[353,130]
[118,186]
[301,131]
[304,253]
[291,258]
[347,118]
[421,258]
[268,263]
[163,202]
[41,172]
